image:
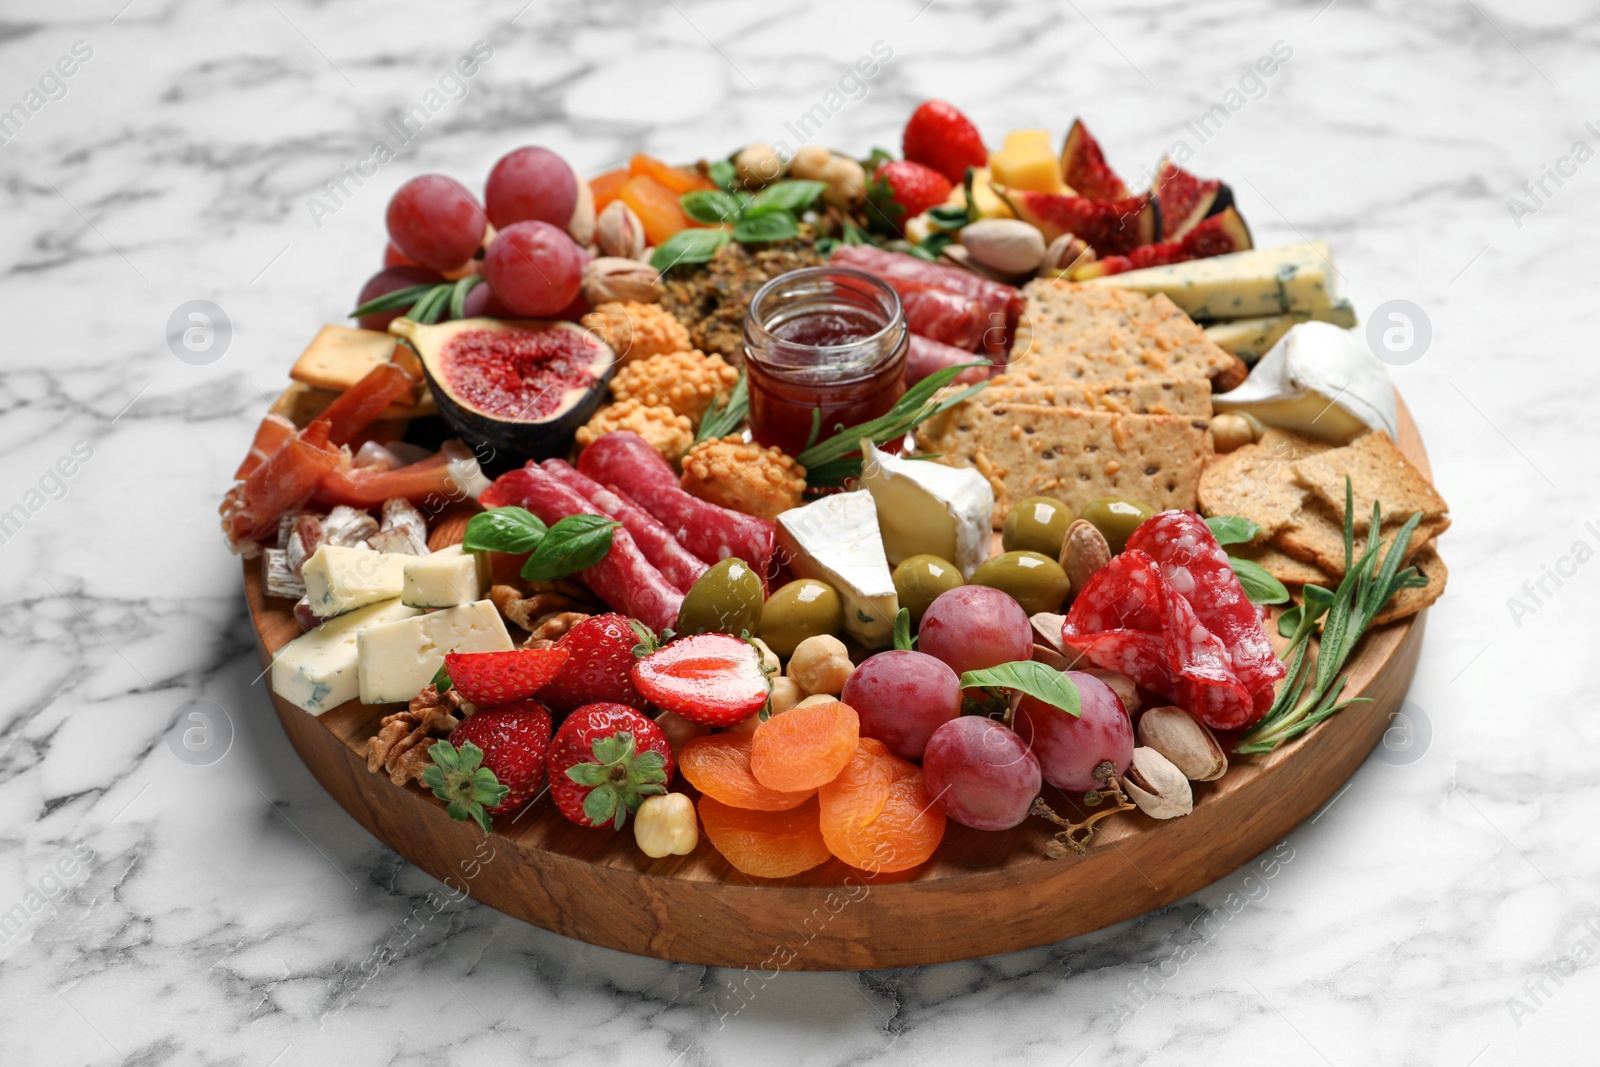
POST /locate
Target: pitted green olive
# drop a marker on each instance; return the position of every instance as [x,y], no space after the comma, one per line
[1115,518]
[726,600]
[801,609]
[1037,524]
[919,579]
[1035,581]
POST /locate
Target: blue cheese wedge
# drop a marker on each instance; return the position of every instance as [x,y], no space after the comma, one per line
[926,507]
[836,540]
[398,660]
[447,578]
[1320,381]
[1250,339]
[318,670]
[340,579]
[1261,281]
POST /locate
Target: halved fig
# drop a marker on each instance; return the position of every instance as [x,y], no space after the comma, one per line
[1084,167]
[521,387]
[1216,236]
[1186,200]
[1111,227]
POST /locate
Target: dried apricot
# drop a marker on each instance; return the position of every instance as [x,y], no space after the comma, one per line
[860,791]
[719,766]
[674,178]
[606,186]
[904,833]
[804,747]
[765,844]
[656,206]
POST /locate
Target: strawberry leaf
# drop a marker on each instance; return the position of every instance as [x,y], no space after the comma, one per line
[589,774]
[459,778]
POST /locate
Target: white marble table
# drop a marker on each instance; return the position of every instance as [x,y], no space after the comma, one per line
[1445,909]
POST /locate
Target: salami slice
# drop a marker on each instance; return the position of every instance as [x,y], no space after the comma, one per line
[1001,304]
[676,563]
[626,463]
[927,356]
[940,315]
[1196,566]
[624,578]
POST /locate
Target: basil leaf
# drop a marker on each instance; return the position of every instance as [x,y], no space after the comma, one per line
[688,246]
[903,641]
[441,679]
[710,205]
[722,173]
[513,530]
[793,196]
[948,216]
[1031,679]
[776,226]
[1259,586]
[937,243]
[1232,530]
[576,542]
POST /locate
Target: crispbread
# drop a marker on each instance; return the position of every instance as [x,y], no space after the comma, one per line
[1256,482]
[1378,472]
[1316,535]
[1028,449]
[339,356]
[1157,396]
[1410,601]
[1284,567]
[1071,332]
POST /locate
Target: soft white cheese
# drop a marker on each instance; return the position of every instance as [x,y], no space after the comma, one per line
[399,660]
[925,507]
[1261,281]
[340,579]
[445,579]
[836,540]
[1320,381]
[318,670]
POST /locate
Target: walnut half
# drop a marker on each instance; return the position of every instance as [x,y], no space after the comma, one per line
[401,744]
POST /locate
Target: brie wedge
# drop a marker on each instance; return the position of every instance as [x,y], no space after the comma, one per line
[1320,381]
[340,579]
[399,659]
[318,670]
[925,507]
[836,540]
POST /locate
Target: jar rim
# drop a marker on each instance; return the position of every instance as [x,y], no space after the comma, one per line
[895,312]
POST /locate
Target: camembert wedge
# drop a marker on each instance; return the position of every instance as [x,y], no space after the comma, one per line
[836,540]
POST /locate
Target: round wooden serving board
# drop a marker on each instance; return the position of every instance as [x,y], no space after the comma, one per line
[981,894]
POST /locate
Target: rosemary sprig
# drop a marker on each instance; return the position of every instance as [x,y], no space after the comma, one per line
[722,419]
[1367,586]
[837,459]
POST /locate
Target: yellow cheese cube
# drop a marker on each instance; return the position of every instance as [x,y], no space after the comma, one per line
[1036,140]
[1030,168]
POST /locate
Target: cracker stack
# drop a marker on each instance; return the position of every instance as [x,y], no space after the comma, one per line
[1108,394]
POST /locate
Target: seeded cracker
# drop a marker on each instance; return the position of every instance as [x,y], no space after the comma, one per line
[1378,472]
[1163,396]
[1256,482]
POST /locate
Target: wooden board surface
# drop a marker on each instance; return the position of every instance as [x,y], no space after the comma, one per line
[981,894]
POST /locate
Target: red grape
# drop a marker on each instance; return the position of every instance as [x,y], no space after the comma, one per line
[972,627]
[901,698]
[534,269]
[1069,749]
[435,221]
[981,773]
[387,281]
[531,183]
[393,257]
[481,304]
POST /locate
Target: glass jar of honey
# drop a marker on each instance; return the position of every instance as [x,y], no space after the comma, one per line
[824,347]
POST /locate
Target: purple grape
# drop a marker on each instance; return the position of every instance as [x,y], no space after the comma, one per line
[981,773]
[972,627]
[902,698]
[1069,749]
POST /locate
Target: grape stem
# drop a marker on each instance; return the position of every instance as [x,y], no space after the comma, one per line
[1074,838]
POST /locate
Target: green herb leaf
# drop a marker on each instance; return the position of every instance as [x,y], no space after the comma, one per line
[441,679]
[1259,586]
[395,301]
[722,173]
[902,631]
[936,243]
[458,294]
[792,196]
[948,216]
[688,246]
[1031,679]
[576,542]
[1232,530]
[513,530]
[851,234]
[432,305]
[710,205]
[1315,599]
[776,226]
[723,419]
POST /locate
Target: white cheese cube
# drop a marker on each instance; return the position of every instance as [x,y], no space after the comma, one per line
[340,579]
[399,660]
[836,540]
[318,670]
[925,507]
[445,579]
[1261,281]
[1321,381]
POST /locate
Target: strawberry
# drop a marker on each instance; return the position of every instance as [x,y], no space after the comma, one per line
[901,189]
[488,678]
[494,762]
[599,668]
[711,679]
[604,761]
[941,137]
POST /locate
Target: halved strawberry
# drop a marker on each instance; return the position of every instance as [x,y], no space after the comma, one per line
[489,678]
[711,679]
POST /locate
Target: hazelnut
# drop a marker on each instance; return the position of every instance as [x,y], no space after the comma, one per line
[757,165]
[1230,431]
[821,665]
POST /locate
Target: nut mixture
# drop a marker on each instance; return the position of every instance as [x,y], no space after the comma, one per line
[635,330]
[711,298]
[668,432]
[687,382]
[746,477]
[401,744]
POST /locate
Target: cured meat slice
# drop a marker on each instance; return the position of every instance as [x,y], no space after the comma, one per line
[1001,305]
[270,435]
[677,564]
[252,508]
[940,315]
[623,578]
[927,356]
[354,409]
[626,463]
[430,483]
[1191,560]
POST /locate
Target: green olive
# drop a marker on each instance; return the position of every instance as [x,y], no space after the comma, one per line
[1037,524]
[1115,518]
[919,579]
[1036,581]
[726,600]
[801,609]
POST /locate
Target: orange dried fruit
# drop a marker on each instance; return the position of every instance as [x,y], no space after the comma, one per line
[902,835]
[765,844]
[719,766]
[675,178]
[804,747]
[606,186]
[656,206]
[860,791]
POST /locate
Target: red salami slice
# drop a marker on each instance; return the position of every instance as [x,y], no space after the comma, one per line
[940,315]
[1191,560]
[624,579]
[1001,305]
[624,462]
[927,356]
[676,563]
